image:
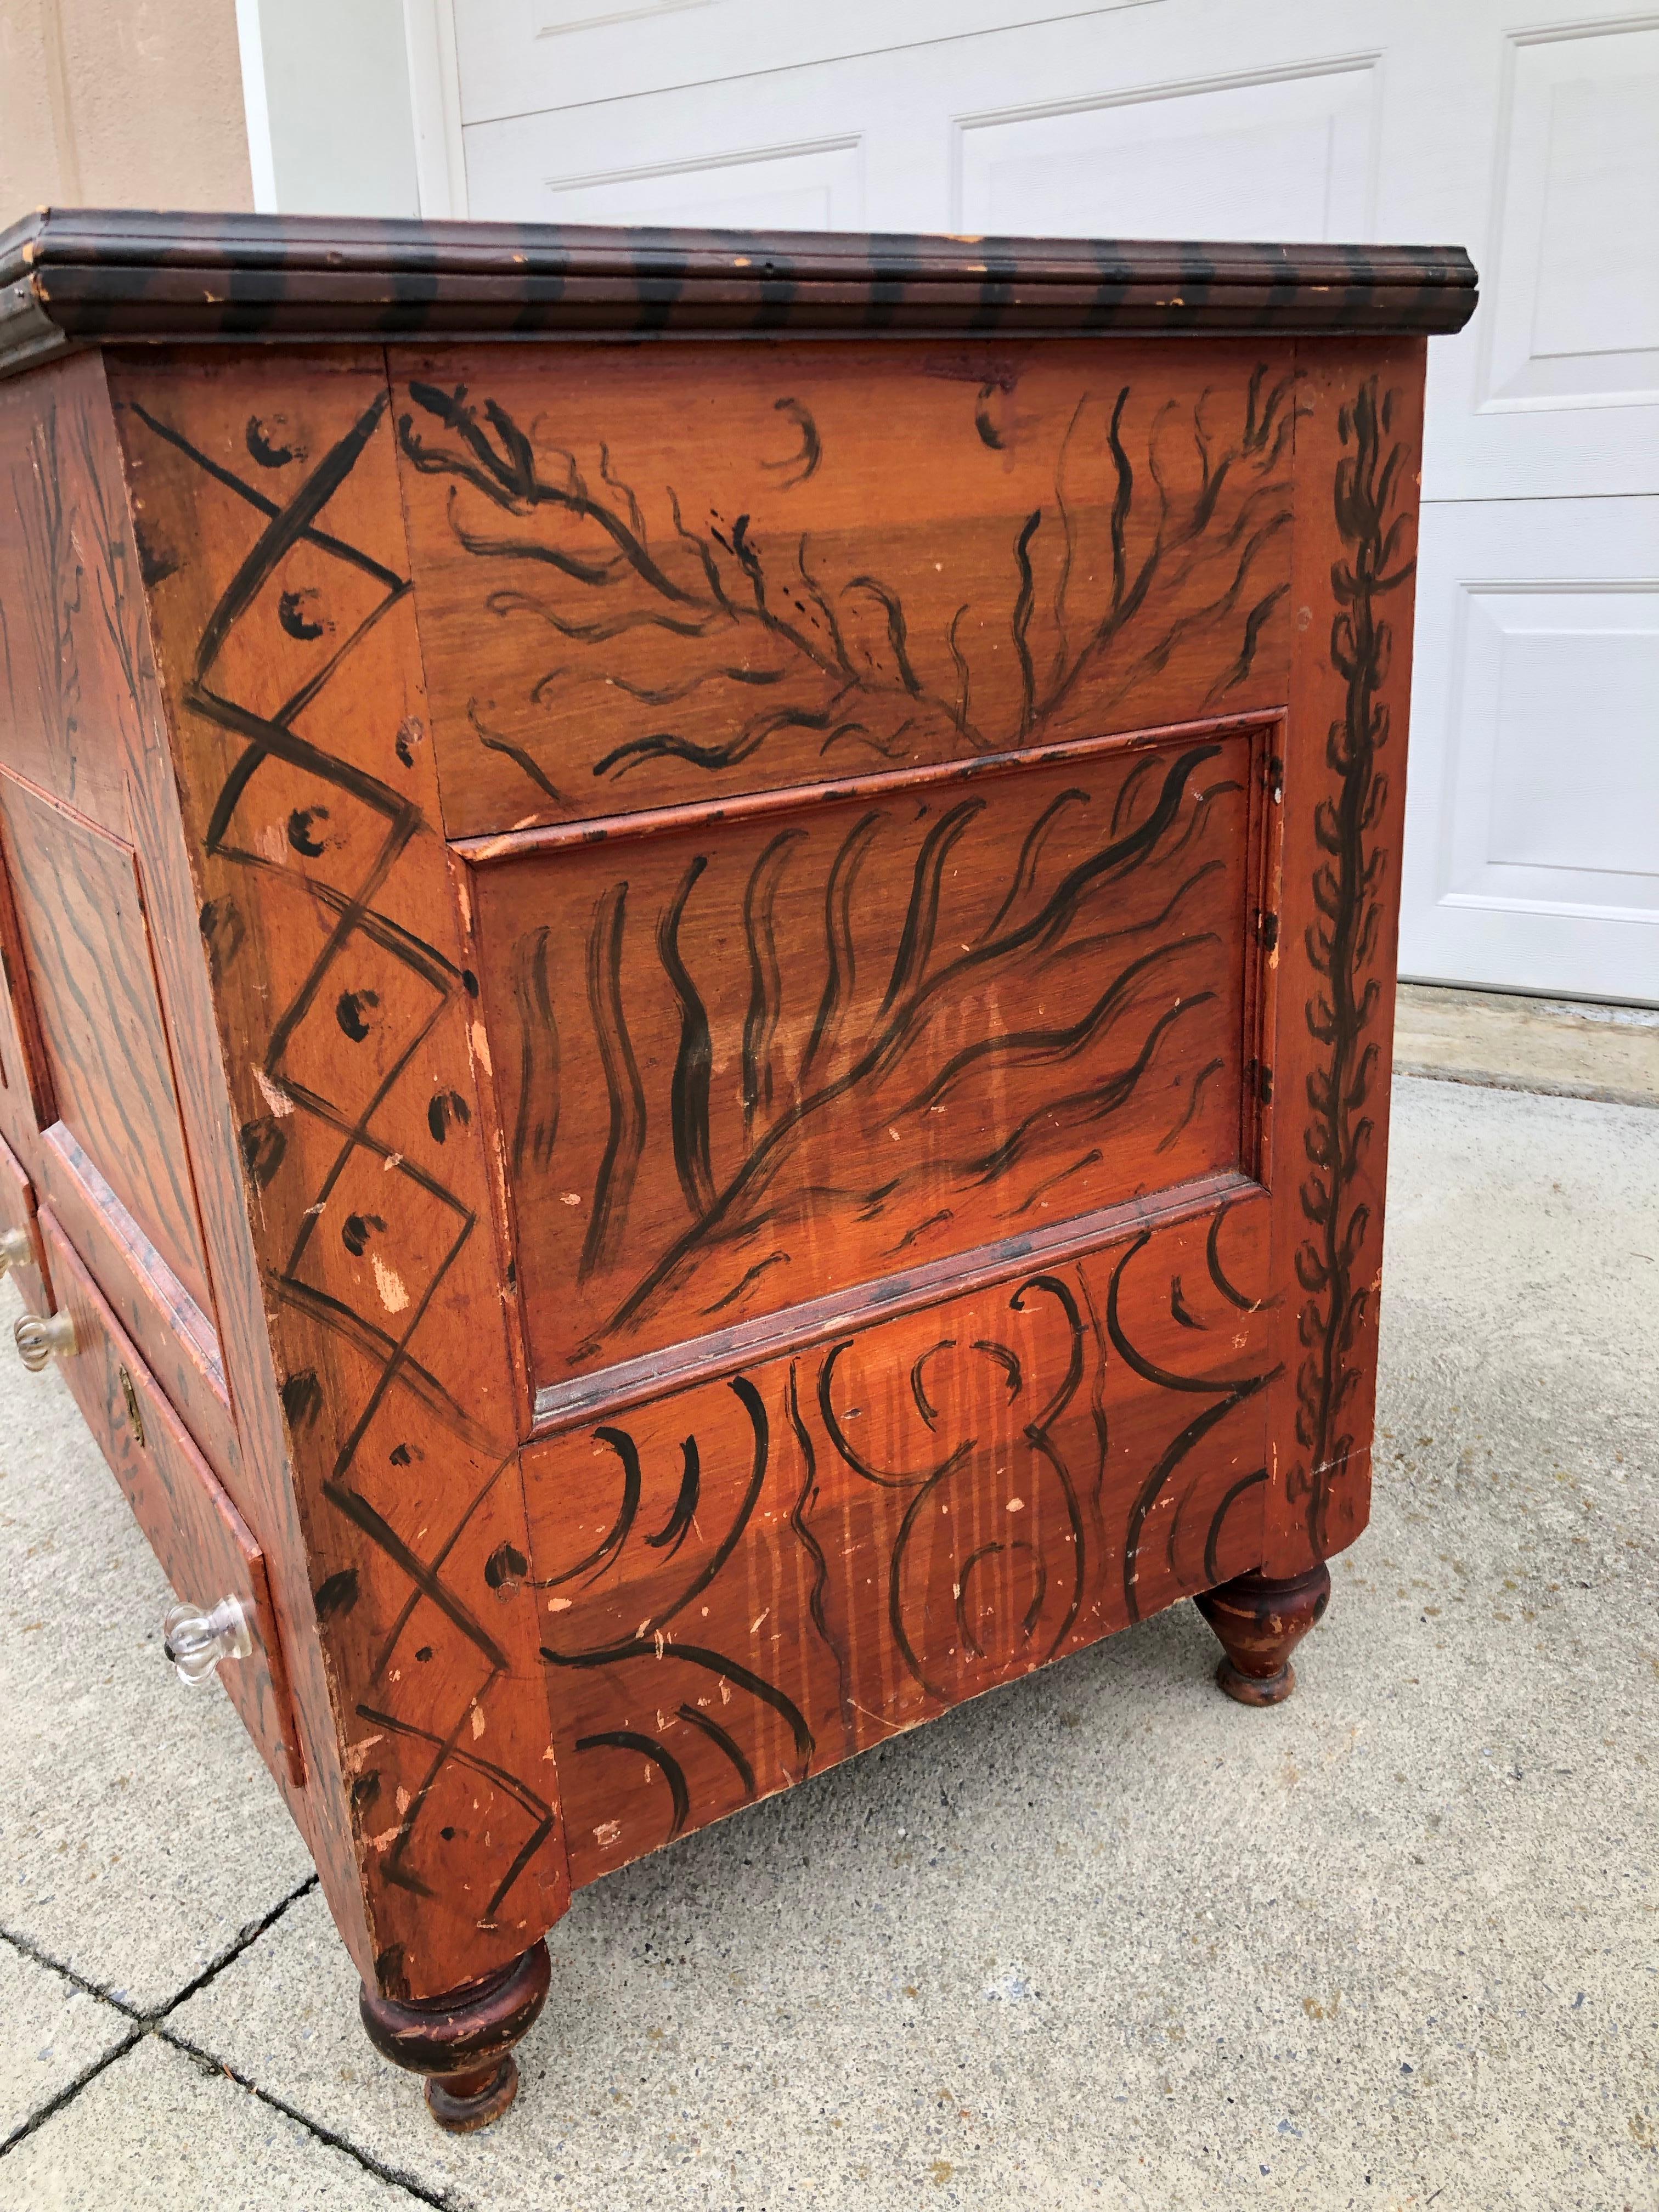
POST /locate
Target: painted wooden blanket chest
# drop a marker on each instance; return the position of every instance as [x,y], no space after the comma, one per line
[699,936]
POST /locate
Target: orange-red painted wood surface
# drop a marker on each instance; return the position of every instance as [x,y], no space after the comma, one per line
[203,1545]
[1359,442]
[745,1063]
[85,945]
[707,1021]
[639,587]
[289,659]
[745,1583]
[89,726]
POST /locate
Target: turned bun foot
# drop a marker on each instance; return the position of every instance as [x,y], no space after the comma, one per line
[463,2042]
[1260,1622]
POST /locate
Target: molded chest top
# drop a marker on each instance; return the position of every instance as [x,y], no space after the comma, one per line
[74,277]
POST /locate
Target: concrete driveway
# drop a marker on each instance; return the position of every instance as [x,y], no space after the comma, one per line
[1101,1939]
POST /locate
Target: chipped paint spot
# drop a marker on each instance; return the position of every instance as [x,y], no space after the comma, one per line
[357,1752]
[390,1284]
[273,1094]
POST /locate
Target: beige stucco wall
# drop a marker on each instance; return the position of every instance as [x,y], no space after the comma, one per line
[121,103]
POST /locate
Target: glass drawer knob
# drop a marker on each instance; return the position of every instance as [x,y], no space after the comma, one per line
[195,1641]
[42,1338]
[15,1249]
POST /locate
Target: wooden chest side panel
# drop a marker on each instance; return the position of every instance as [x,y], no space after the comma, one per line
[90,973]
[677,573]
[265,491]
[745,1063]
[744,1583]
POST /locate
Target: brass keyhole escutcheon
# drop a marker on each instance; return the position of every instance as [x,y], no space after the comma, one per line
[134,1410]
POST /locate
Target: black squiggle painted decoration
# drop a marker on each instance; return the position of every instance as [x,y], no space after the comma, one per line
[269,452]
[1377,537]
[1224,1393]
[291,614]
[924,983]
[797,466]
[1196,521]
[929,1505]
[396,988]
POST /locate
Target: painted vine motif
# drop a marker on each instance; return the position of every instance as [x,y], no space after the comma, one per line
[775,607]
[747,1582]
[1350,896]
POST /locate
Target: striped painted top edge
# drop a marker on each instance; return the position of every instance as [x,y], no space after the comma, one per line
[92,275]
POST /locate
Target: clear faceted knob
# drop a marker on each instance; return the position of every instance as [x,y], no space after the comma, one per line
[195,1641]
[42,1338]
[15,1249]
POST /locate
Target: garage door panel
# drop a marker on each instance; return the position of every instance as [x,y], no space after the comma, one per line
[557,53]
[1530,860]
[714,156]
[1264,157]
[808,187]
[1576,274]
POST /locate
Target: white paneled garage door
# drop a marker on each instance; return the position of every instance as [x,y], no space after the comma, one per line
[1532,855]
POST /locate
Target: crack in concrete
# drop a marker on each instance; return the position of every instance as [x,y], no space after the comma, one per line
[71,2090]
[209,2064]
[143,2023]
[249,1933]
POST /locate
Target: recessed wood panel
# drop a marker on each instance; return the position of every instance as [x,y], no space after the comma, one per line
[60,684]
[645,578]
[744,1582]
[85,945]
[744,1062]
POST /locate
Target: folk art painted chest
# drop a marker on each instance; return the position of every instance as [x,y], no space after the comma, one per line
[699,936]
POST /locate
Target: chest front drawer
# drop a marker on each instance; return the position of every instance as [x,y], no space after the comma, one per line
[205,1549]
